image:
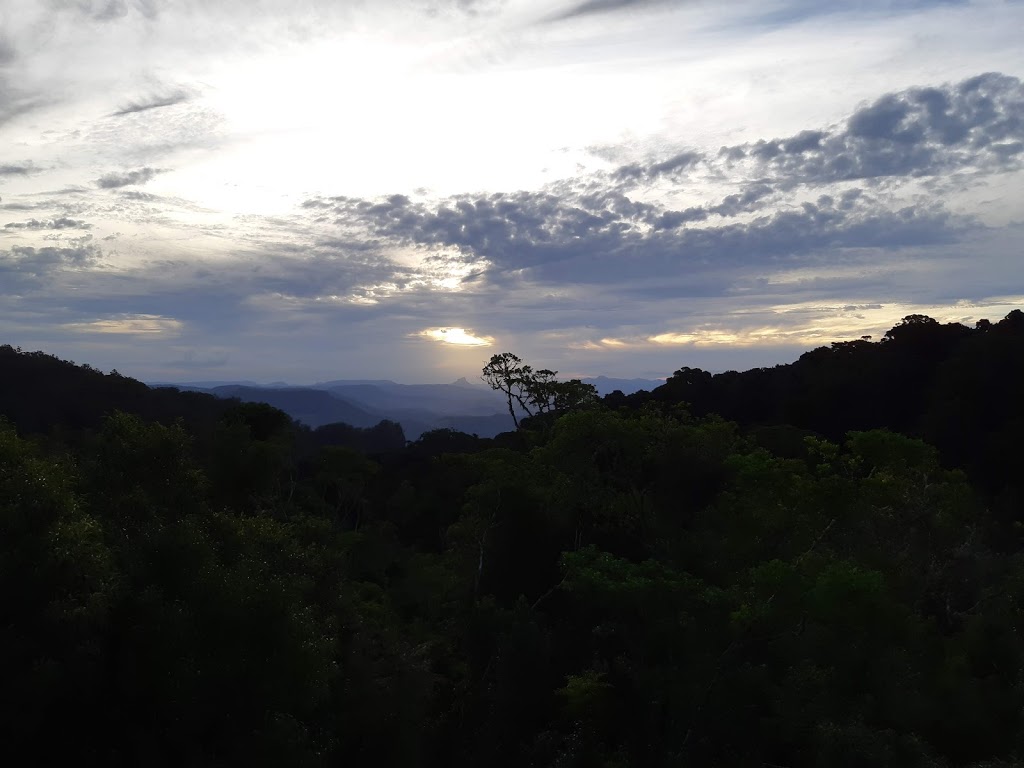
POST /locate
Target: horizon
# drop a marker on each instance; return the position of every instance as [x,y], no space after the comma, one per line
[461,381]
[773,356]
[471,380]
[316,190]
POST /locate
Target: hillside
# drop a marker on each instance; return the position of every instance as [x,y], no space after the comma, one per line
[419,408]
[312,407]
[40,393]
[626,582]
[956,387]
[43,395]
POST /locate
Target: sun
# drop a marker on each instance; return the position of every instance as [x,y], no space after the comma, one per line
[458,336]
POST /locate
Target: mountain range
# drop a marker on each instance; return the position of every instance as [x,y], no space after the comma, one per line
[460,405]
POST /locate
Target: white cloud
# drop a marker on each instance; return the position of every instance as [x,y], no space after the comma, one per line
[457,336]
[130,325]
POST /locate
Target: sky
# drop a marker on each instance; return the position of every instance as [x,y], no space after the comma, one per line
[304,190]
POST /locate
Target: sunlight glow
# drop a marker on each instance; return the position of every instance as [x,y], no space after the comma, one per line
[458,336]
[142,325]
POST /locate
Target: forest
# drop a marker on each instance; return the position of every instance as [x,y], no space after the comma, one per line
[819,564]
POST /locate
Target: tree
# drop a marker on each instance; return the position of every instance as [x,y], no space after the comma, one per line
[535,392]
[506,373]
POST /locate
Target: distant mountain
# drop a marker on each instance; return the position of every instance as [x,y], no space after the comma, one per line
[438,399]
[313,407]
[346,382]
[605,385]
[418,408]
[203,386]
[462,405]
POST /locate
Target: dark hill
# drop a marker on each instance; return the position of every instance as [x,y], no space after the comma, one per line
[959,388]
[312,407]
[40,393]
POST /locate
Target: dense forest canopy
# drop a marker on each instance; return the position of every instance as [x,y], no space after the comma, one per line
[817,564]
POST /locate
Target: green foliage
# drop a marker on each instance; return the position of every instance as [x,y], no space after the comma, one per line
[586,695]
[643,585]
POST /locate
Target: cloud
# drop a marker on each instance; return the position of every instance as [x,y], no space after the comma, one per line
[7,50]
[14,101]
[153,102]
[28,268]
[670,238]
[807,205]
[144,197]
[16,169]
[130,325]
[116,180]
[975,124]
[796,11]
[554,239]
[593,7]
[673,166]
[51,256]
[100,10]
[597,257]
[789,12]
[62,223]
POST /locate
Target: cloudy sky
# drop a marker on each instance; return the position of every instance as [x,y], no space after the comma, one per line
[310,189]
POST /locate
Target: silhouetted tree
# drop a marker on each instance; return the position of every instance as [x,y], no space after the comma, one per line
[535,392]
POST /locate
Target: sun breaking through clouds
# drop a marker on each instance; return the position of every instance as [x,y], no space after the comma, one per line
[458,336]
[620,187]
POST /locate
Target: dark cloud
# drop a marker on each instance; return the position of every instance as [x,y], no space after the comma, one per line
[150,9]
[546,238]
[16,169]
[15,102]
[436,8]
[796,11]
[805,141]
[753,198]
[7,50]
[673,166]
[325,267]
[977,124]
[98,10]
[493,227]
[62,223]
[23,267]
[791,12]
[78,256]
[115,180]
[153,102]
[592,7]
[279,286]
[133,194]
